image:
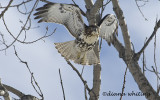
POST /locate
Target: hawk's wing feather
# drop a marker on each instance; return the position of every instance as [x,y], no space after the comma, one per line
[66,14]
[108,27]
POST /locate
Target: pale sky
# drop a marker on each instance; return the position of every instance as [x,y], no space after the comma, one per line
[44,60]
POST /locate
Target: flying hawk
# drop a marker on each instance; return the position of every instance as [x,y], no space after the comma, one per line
[79,50]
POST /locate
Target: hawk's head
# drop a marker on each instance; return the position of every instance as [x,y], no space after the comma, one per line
[92,30]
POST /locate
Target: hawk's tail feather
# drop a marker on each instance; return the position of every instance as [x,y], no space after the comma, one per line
[90,58]
[65,49]
[70,52]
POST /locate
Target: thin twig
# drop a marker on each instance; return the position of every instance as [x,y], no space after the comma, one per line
[32,76]
[34,6]
[103,7]
[3,40]
[23,2]
[82,70]
[74,2]
[82,12]
[45,36]
[144,63]
[6,8]
[24,13]
[61,84]
[46,1]
[124,81]
[155,72]
[157,26]
[144,60]
[108,1]
[155,63]
[85,93]
[140,10]
[84,82]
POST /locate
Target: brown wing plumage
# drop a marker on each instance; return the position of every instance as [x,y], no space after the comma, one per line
[65,14]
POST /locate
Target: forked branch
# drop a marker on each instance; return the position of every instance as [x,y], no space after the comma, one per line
[119,13]
[157,26]
[133,65]
[33,80]
[6,8]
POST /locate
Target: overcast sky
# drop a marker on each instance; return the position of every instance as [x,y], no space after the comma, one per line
[44,60]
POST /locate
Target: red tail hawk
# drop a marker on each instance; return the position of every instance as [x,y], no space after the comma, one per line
[79,50]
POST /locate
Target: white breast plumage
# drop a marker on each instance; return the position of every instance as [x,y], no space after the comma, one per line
[90,39]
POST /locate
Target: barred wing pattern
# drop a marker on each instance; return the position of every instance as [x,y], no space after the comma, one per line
[66,14]
[108,27]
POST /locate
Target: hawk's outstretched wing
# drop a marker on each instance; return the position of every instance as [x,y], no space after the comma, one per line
[66,14]
[108,27]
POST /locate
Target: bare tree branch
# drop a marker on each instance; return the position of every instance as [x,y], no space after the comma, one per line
[74,2]
[17,5]
[157,26]
[24,42]
[92,14]
[141,81]
[98,4]
[103,7]
[14,91]
[124,82]
[132,64]
[93,17]
[46,1]
[61,84]
[119,13]
[4,92]
[140,9]
[22,29]
[3,41]
[89,4]
[84,82]
[144,61]
[82,70]
[82,12]
[32,76]
[85,93]
[6,8]
[119,47]
[125,52]
[155,63]
[94,94]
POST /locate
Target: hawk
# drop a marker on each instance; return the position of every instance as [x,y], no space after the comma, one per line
[79,50]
